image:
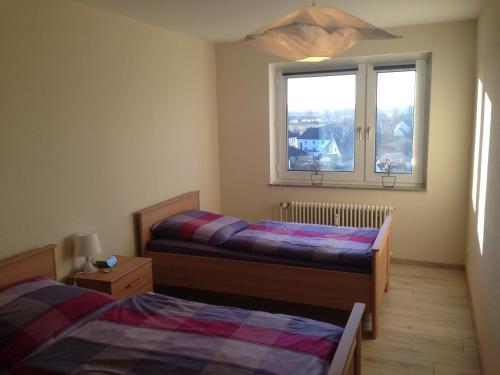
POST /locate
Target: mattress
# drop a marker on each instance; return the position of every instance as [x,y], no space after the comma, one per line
[199,249]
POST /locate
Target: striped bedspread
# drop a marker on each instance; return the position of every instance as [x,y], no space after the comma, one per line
[155,334]
[322,243]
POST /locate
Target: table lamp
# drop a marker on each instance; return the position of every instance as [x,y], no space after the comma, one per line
[87,245]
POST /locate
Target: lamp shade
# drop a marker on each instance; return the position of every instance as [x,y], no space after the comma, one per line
[87,244]
[314,33]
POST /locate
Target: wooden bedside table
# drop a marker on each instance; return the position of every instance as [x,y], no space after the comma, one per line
[132,276]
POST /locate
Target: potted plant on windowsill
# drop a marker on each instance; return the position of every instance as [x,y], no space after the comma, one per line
[388,180]
[316,177]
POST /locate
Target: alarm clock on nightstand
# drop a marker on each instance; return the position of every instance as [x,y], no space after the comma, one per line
[107,263]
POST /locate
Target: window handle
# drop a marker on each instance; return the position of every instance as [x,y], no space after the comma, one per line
[368,132]
[358,131]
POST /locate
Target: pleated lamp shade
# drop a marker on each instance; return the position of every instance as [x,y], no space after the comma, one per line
[314,33]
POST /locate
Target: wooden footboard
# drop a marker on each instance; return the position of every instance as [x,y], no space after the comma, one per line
[313,286]
[347,358]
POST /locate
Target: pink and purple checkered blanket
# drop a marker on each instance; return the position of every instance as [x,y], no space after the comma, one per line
[155,334]
[321,243]
[36,310]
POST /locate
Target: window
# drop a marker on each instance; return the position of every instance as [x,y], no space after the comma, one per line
[350,120]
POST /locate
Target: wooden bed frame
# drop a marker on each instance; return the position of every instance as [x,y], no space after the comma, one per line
[311,286]
[38,262]
[41,262]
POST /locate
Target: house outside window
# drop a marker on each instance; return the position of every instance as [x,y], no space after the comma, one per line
[354,115]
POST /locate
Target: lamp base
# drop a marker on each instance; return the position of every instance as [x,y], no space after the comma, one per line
[88,267]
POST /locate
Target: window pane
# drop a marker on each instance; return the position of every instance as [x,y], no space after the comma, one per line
[395,113]
[321,123]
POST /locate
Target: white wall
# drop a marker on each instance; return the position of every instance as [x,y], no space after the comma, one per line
[483,262]
[100,116]
[429,226]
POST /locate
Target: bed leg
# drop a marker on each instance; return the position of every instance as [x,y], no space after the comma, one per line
[376,261]
[374,324]
[388,251]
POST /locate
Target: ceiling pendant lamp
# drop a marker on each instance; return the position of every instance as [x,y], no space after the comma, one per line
[314,33]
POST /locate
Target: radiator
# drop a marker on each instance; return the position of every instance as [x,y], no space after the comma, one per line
[340,214]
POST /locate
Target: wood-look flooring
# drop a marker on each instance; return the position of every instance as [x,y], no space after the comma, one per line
[425,326]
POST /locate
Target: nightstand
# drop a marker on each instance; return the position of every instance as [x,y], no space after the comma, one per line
[132,276]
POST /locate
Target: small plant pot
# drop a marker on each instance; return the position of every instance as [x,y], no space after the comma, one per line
[388,181]
[316,179]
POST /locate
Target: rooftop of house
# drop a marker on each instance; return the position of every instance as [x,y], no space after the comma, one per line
[319,133]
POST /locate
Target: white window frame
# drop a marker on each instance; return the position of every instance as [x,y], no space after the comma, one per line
[365,122]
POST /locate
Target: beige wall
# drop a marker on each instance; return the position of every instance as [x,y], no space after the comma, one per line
[99,116]
[483,264]
[429,226]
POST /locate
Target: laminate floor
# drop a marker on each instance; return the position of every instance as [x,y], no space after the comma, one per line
[425,326]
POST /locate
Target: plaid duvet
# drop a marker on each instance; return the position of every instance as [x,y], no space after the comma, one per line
[199,226]
[36,310]
[155,334]
[322,243]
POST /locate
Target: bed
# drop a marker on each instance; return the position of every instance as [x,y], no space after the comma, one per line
[332,288]
[48,328]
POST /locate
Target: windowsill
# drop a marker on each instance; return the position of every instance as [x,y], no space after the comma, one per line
[350,186]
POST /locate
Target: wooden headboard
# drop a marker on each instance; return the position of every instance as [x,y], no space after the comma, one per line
[38,262]
[162,210]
